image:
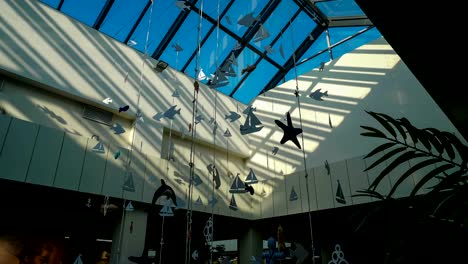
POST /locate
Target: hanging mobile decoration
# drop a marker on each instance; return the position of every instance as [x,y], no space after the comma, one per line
[214,172]
[199,201]
[78,260]
[117,154]
[128,185]
[237,185]
[293,195]
[208,231]
[227,133]
[252,124]
[251,178]
[327,167]
[129,207]
[124,108]
[108,100]
[247,20]
[99,147]
[106,205]
[289,132]
[232,116]
[338,256]
[88,204]
[118,128]
[274,151]
[317,94]
[166,210]
[233,204]
[339,194]
[182,5]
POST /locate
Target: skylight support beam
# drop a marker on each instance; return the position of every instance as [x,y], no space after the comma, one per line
[173,30]
[59,7]
[313,12]
[334,45]
[103,14]
[289,64]
[242,40]
[349,21]
[278,36]
[137,22]
[213,27]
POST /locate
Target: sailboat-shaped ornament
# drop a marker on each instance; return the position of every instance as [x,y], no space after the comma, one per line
[339,194]
[251,178]
[251,124]
[233,204]
[237,186]
[262,34]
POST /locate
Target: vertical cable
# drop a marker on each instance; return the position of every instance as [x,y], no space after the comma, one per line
[296,92]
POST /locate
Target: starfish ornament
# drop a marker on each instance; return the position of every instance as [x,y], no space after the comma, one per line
[290,132]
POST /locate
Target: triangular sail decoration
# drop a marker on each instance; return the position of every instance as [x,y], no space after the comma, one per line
[212,201]
[99,148]
[233,204]
[339,194]
[251,178]
[129,207]
[166,210]
[199,201]
[293,196]
[246,20]
[251,124]
[176,93]
[201,75]
[237,186]
[128,185]
[78,260]
[227,133]
[262,34]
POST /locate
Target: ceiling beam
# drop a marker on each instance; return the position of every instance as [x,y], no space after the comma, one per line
[103,14]
[349,21]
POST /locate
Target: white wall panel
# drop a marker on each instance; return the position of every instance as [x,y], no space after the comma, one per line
[339,172]
[17,150]
[115,172]
[324,189]
[45,156]
[292,181]
[92,175]
[358,179]
[310,183]
[155,171]
[267,201]
[279,199]
[71,162]
[4,125]
[137,169]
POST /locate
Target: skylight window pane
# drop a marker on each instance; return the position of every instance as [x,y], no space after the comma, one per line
[254,84]
[240,9]
[163,16]
[277,20]
[353,43]
[245,59]
[299,29]
[186,39]
[340,8]
[85,11]
[122,17]
[212,54]
[211,7]
[51,3]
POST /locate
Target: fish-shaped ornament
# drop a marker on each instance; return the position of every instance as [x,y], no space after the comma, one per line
[317,94]
[250,68]
[124,108]
[171,112]
[289,132]
[199,118]
[182,5]
[177,47]
[118,128]
[274,151]
[232,116]
[247,20]
[269,49]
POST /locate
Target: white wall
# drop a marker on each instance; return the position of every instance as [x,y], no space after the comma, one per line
[55,52]
[372,78]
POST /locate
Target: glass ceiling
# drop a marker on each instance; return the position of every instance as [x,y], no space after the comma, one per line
[261,35]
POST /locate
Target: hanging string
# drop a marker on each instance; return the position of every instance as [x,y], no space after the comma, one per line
[296,92]
[188,237]
[130,154]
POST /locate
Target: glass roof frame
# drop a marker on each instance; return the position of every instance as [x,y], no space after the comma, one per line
[310,7]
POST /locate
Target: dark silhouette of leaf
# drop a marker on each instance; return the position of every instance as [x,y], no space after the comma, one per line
[385,157]
[449,181]
[461,149]
[424,139]
[373,134]
[402,158]
[429,176]
[411,171]
[369,193]
[396,124]
[379,149]
[432,135]
[410,129]
[446,145]
[384,123]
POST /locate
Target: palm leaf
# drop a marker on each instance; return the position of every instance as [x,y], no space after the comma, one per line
[424,139]
[402,158]
[461,149]
[410,129]
[444,142]
[449,181]
[384,123]
[433,136]
[411,171]
[379,149]
[385,157]
[369,193]
[429,176]
[396,124]
[373,132]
